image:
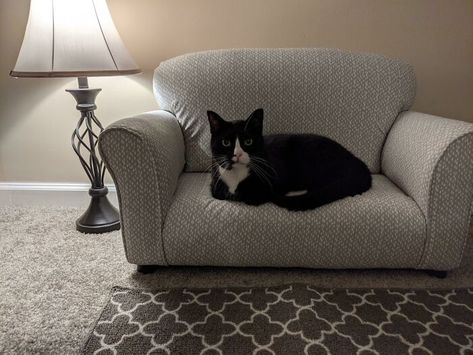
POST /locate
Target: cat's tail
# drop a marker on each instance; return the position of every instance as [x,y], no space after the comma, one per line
[316,198]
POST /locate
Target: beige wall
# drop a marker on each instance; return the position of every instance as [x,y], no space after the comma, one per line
[37,116]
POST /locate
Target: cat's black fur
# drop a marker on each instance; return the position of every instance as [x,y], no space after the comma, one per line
[283,163]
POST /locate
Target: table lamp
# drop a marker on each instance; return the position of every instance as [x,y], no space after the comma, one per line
[77,38]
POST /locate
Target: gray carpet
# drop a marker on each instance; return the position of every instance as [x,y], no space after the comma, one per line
[54,281]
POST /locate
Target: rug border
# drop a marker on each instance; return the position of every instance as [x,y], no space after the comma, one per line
[91,331]
[124,288]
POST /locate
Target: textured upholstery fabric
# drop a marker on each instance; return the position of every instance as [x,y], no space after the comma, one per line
[381,228]
[145,156]
[430,158]
[352,98]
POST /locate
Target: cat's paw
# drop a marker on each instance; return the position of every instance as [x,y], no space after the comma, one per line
[219,195]
[254,202]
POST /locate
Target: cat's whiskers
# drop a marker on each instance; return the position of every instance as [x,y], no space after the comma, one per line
[260,172]
[261,160]
[263,177]
[214,172]
[216,160]
[264,162]
[265,168]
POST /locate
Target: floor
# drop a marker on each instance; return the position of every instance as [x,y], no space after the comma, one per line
[54,280]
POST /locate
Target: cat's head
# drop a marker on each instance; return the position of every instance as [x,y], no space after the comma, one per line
[237,141]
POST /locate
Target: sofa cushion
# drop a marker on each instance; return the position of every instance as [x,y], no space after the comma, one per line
[352,98]
[380,228]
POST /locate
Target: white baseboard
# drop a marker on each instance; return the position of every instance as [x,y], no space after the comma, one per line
[49,194]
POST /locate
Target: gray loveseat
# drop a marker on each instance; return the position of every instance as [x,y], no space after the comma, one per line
[416,215]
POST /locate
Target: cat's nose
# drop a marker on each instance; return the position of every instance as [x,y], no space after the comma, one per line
[237,156]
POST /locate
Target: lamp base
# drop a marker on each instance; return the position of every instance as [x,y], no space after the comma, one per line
[100,216]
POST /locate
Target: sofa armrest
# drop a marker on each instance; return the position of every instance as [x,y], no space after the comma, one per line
[145,156]
[431,159]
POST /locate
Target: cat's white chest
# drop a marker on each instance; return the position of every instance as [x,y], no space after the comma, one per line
[233,177]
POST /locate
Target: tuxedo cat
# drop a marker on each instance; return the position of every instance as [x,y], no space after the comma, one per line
[294,171]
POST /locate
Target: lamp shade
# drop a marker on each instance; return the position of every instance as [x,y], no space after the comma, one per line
[66,38]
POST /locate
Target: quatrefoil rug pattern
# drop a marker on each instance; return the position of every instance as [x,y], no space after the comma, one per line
[290,319]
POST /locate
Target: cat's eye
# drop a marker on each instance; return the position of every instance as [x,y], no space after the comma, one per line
[248,141]
[225,142]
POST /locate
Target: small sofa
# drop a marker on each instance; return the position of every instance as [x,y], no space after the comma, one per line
[416,215]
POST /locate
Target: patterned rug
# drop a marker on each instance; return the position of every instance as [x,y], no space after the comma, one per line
[290,319]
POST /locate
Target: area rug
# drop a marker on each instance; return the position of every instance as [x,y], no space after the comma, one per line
[290,319]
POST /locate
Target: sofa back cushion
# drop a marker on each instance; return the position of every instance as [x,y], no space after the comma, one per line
[350,97]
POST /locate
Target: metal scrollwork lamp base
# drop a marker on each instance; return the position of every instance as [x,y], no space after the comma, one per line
[100,216]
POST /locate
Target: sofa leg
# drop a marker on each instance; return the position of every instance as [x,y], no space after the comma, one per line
[146,269]
[436,273]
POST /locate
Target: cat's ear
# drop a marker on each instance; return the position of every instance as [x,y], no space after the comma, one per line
[254,123]
[216,122]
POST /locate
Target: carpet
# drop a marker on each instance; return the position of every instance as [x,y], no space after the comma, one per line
[290,319]
[54,281]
